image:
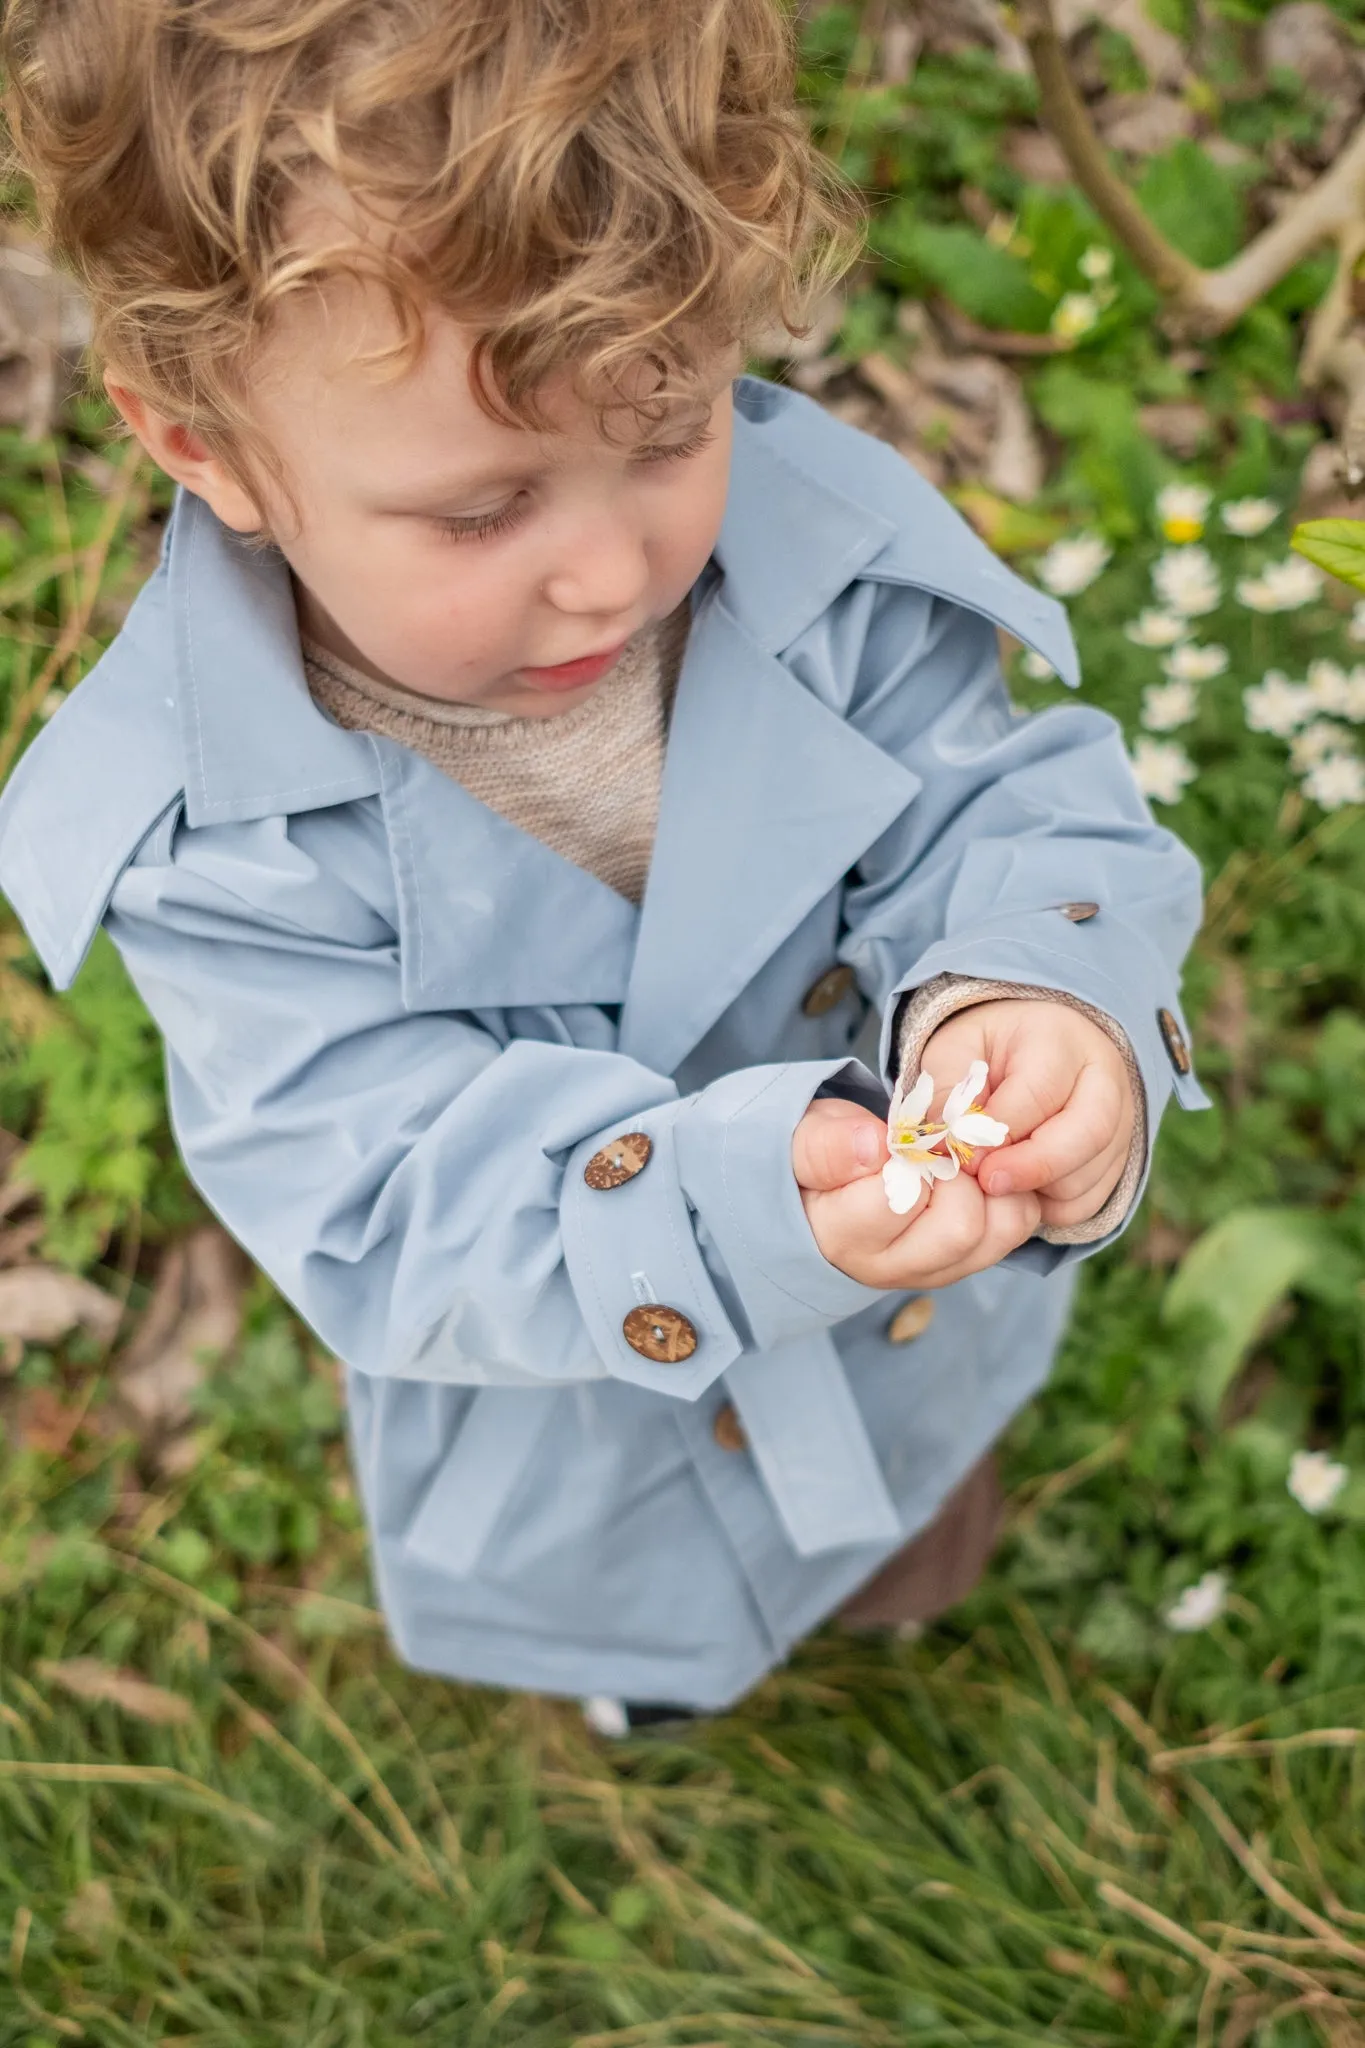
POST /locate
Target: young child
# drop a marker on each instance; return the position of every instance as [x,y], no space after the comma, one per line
[539,756]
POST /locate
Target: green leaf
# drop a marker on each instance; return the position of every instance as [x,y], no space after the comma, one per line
[1336,545]
[1195,204]
[988,283]
[1233,1276]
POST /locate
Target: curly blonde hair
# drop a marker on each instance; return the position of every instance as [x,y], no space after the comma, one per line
[585,183]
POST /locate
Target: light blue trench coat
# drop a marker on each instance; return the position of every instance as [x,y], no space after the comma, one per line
[398,1027]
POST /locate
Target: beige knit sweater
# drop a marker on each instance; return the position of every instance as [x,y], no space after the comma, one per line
[587,784]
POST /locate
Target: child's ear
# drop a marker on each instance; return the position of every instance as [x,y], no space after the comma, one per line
[188,460]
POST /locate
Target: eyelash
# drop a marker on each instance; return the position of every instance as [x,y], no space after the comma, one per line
[486,525]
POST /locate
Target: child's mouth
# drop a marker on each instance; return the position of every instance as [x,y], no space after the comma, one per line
[572,675]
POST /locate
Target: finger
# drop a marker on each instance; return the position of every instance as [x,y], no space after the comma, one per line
[1096,1178]
[855,1224]
[1064,1143]
[958,1232]
[837,1142]
[1081,1205]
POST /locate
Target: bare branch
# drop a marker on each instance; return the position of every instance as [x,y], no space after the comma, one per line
[1330,208]
[1064,111]
[1344,367]
[1336,310]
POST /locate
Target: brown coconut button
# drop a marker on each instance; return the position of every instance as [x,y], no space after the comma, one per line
[619,1161]
[828,992]
[1177,1047]
[1080,913]
[728,1430]
[911,1320]
[663,1334]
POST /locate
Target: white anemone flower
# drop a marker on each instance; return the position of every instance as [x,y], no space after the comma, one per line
[966,1130]
[1097,264]
[1356,630]
[1191,664]
[1329,686]
[1247,517]
[1336,780]
[1156,629]
[1162,769]
[1281,586]
[1276,705]
[1037,666]
[1317,742]
[1186,581]
[1075,314]
[1199,1606]
[1168,706]
[1315,1480]
[1182,509]
[915,1161]
[1353,696]
[1070,566]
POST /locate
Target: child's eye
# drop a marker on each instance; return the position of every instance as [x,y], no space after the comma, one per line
[680,450]
[483,525]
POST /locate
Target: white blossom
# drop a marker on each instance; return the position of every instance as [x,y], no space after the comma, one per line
[1281,586]
[51,704]
[1070,566]
[1097,263]
[1317,742]
[1353,696]
[915,1162]
[1162,769]
[1191,664]
[1037,666]
[1156,629]
[1249,516]
[1329,686]
[1356,630]
[965,1129]
[1336,780]
[1277,705]
[1200,1605]
[1186,581]
[1075,314]
[1182,510]
[1315,1480]
[1167,706]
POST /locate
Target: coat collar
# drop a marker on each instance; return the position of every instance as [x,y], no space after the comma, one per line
[769,796]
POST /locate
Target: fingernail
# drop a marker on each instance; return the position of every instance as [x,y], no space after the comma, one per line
[867,1145]
[1000,1184]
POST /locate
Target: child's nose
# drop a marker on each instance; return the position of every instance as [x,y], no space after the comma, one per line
[605,570]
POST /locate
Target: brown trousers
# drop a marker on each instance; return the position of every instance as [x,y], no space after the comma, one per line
[941,1565]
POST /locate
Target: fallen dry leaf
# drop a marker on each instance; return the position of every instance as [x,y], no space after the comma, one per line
[43,1304]
[1163,54]
[196,1309]
[88,1678]
[1180,425]
[1033,154]
[40,1420]
[1307,39]
[1145,123]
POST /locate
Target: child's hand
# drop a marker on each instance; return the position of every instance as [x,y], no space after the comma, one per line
[1062,1087]
[838,1150]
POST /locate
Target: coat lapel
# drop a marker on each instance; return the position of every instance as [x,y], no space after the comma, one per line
[768,799]
[488,916]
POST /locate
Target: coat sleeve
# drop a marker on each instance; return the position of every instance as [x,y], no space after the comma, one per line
[414,1182]
[1017,817]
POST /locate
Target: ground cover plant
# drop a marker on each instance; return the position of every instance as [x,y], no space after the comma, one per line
[1118,1797]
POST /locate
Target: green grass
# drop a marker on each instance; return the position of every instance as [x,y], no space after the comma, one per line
[1053,1819]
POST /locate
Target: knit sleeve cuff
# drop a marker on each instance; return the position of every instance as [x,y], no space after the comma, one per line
[926,1008]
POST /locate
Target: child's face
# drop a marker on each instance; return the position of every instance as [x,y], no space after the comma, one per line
[471,561]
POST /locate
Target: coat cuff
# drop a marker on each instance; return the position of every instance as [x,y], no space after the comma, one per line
[920,1017]
[634,1246]
[734,1160]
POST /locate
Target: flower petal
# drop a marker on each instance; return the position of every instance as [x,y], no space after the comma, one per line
[902,1180]
[976,1129]
[968,1088]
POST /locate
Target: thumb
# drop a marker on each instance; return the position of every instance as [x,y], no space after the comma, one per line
[837,1142]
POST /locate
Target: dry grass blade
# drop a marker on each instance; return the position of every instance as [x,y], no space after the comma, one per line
[1180,1937]
[77,625]
[278,1665]
[1279,1894]
[151,1777]
[87,1678]
[1224,1747]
